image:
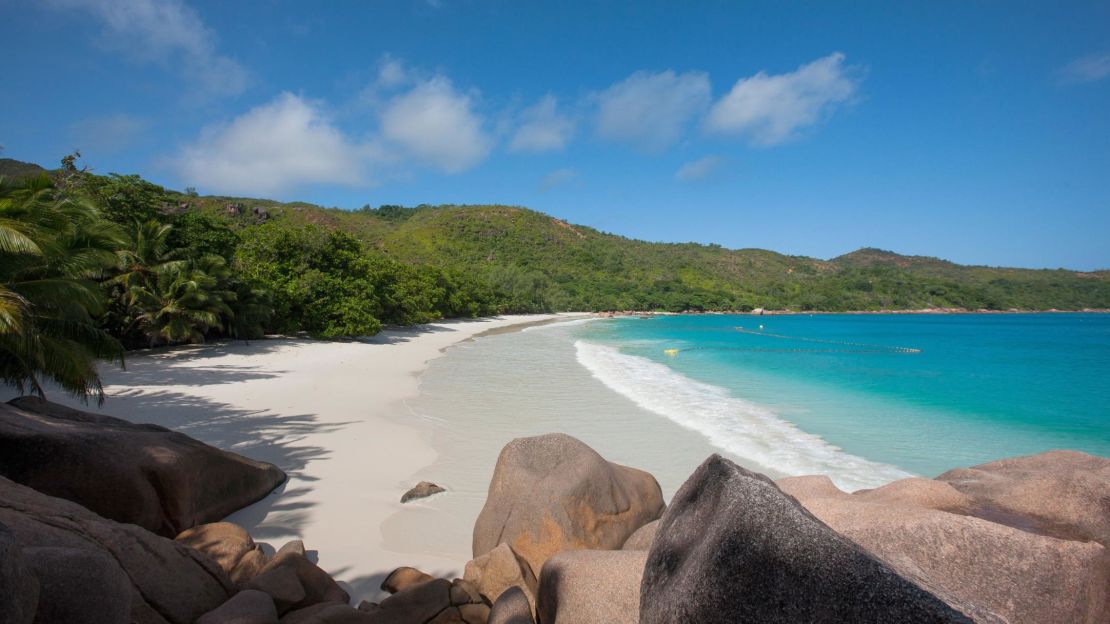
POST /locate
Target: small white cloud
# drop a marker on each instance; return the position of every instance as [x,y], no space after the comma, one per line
[391,73]
[559,177]
[107,134]
[1091,68]
[436,125]
[773,109]
[163,31]
[272,149]
[698,169]
[651,111]
[542,128]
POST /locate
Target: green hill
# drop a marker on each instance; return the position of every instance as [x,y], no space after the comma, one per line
[571,267]
[533,261]
[18,170]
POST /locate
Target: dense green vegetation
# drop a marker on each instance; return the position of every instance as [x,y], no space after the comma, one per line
[91,265]
[534,262]
[94,263]
[53,247]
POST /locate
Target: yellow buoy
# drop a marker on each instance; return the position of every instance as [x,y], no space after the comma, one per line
[671,352]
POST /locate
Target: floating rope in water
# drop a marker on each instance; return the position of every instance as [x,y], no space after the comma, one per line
[855,347]
[865,345]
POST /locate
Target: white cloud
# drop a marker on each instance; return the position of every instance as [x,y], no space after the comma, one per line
[165,31]
[542,128]
[698,169]
[436,125]
[1091,68]
[391,72]
[651,111]
[107,134]
[272,149]
[773,109]
[559,177]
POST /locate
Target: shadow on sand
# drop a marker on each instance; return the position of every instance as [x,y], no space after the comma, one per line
[257,434]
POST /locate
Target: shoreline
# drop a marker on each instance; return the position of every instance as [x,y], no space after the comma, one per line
[330,414]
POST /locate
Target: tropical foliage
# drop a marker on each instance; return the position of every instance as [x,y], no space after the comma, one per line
[53,248]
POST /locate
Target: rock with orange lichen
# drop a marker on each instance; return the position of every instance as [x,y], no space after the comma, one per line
[499,570]
[1018,538]
[552,493]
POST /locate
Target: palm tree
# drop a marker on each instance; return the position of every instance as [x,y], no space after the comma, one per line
[149,253]
[183,301]
[52,248]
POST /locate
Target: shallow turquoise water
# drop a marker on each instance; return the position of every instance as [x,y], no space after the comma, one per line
[920,393]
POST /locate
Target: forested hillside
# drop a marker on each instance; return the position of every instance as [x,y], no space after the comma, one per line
[534,261]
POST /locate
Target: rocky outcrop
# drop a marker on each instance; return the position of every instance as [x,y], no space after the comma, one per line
[167,582]
[512,607]
[232,548]
[591,587]
[18,585]
[404,577]
[921,528]
[247,607]
[424,489]
[732,547]
[224,542]
[642,538]
[79,585]
[435,601]
[499,570]
[288,585]
[138,474]
[1064,494]
[328,613]
[294,582]
[552,493]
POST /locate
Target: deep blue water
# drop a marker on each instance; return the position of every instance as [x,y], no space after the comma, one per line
[922,393]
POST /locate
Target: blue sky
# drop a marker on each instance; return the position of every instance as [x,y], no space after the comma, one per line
[977,132]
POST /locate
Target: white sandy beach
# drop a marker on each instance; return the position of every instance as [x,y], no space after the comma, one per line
[330,414]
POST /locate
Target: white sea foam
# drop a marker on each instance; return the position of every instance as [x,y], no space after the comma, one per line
[734,425]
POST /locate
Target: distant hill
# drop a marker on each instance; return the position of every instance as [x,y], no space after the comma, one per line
[17,170]
[572,267]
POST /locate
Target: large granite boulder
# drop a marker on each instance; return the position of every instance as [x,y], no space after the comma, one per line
[1065,494]
[435,601]
[732,547]
[642,538]
[168,583]
[919,527]
[247,607]
[329,613]
[223,542]
[500,570]
[591,587]
[294,582]
[79,585]
[404,577]
[512,607]
[18,585]
[147,475]
[552,493]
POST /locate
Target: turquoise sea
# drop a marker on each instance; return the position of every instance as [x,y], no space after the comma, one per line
[914,393]
[864,399]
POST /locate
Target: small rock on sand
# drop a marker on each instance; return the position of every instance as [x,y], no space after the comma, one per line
[423,489]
